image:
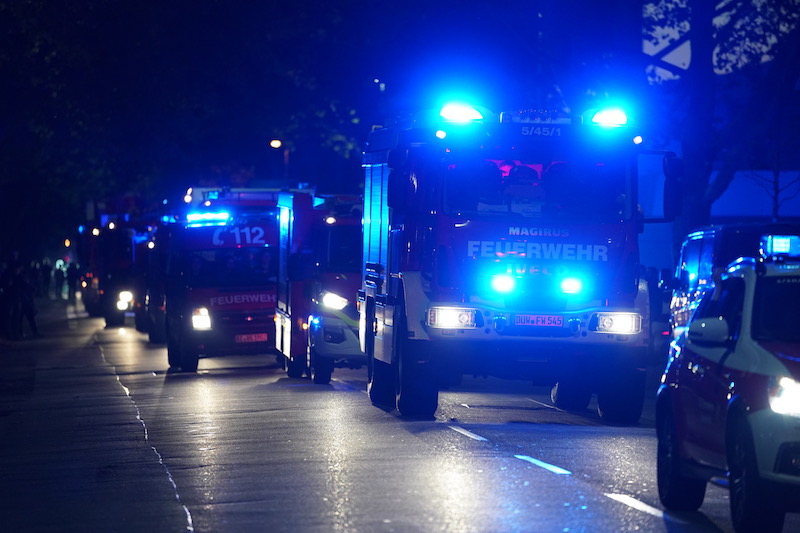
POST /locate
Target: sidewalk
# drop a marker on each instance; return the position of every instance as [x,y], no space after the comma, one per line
[18,357]
[73,452]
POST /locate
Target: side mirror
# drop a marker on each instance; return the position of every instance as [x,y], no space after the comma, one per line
[710,331]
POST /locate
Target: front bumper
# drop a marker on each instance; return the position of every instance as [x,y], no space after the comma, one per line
[333,338]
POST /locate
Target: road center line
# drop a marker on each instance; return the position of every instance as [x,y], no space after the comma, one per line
[632,502]
[547,466]
[468,433]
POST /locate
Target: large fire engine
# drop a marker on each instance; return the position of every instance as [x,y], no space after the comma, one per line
[221,266]
[504,245]
[318,279]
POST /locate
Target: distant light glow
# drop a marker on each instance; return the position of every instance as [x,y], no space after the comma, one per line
[441,134]
[330,220]
[638,139]
[460,113]
[275,143]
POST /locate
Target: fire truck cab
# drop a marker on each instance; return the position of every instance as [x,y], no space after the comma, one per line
[508,246]
[220,283]
[318,279]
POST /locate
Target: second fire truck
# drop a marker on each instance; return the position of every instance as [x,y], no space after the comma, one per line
[220,275]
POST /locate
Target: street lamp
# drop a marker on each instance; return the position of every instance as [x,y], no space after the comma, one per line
[277,144]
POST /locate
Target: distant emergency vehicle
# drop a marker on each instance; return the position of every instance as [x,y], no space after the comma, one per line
[504,245]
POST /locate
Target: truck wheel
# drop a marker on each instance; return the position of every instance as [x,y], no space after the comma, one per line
[418,395]
[381,385]
[295,368]
[676,491]
[571,394]
[753,506]
[321,369]
[189,359]
[173,355]
[621,398]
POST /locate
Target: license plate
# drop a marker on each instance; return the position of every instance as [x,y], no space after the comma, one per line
[539,320]
[252,337]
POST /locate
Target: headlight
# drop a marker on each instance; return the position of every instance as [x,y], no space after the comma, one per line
[784,396]
[201,319]
[451,317]
[618,323]
[124,299]
[334,301]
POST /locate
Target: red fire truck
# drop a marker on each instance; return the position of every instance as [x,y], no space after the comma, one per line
[504,245]
[318,279]
[220,284]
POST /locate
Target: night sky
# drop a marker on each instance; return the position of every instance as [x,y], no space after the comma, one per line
[139,100]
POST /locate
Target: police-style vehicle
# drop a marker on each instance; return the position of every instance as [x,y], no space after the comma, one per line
[729,402]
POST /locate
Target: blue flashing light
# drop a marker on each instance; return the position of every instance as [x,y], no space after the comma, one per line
[81,228]
[460,113]
[208,218]
[503,283]
[610,118]
[780,246]
[571,285]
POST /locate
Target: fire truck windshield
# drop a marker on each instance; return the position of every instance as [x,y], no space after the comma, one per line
[235,267]
[580,190]
[339,248]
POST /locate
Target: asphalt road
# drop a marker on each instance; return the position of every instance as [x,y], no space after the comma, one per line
[96,434]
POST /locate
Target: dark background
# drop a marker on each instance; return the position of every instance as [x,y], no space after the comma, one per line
[123,104]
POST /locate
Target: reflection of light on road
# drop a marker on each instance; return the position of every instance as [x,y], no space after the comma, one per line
[340,451]
[203,432]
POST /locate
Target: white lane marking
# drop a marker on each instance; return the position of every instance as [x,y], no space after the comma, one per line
[632,502]
[543,404]
[468,433]
[126,390]
[547,466]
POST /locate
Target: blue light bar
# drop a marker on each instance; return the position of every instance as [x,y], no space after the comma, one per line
[610,118]
[208,218]
[773,246]
[460,113]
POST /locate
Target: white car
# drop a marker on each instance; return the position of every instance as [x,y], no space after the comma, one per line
[729,401]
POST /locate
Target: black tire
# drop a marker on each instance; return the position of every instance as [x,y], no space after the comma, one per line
[381,386]
[754,508]
[189,359]
[417,395]
[320,369]
[621,399]
[676,491]
[295,368]
[173,354]
[571,394]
